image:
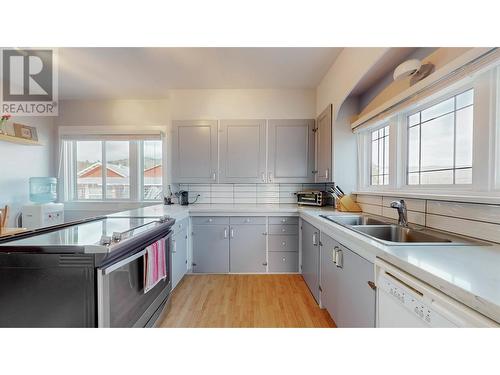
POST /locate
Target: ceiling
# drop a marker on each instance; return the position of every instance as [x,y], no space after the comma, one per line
[147,73]
[383,67]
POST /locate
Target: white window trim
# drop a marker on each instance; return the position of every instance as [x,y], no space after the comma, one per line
[136,179]
[485,165]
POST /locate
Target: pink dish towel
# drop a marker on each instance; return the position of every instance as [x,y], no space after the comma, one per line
[155,265]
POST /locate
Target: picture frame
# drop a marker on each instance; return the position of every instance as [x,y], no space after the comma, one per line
[26,132]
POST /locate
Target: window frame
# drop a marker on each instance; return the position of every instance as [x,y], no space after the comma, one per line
[140,170]
[404,128]
[485,143]
[136,178]
[370,155]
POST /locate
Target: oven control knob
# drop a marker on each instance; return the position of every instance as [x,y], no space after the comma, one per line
[105,240]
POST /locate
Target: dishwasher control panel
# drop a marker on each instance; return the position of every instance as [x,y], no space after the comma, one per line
[408,299]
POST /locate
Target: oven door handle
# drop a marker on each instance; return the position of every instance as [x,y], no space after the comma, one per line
[121,263]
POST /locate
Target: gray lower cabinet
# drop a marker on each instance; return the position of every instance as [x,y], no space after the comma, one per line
[179,256]
[283,244]
[310,258]
[283,261]
[291,151]
[210,248]
[247,248]
[346,290]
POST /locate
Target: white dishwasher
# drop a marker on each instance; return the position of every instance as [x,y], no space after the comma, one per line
[404,301]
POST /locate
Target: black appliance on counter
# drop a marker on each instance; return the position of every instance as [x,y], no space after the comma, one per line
[183,196]
[89,274]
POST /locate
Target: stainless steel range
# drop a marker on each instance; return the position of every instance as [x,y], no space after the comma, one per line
[89,274]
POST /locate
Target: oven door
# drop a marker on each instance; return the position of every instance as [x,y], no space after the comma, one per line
[121,298]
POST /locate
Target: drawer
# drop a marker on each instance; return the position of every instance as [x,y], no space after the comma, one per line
[180,225]
[280,242]
[247,220]
[284,220]
[283,229]
[210,220]
[284,261]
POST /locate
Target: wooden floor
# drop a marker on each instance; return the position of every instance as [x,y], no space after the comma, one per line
[244,301]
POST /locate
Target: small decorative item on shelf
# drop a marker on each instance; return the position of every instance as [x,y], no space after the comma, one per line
[3,122]
[26,132]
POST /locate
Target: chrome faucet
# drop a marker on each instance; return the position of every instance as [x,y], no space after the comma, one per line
[402,212]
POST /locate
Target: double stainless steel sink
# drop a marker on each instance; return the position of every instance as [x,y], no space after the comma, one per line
[382,230]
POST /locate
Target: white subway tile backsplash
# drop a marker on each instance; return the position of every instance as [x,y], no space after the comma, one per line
[413,216]
[411,204]
[242,200]
[290,188]
[268,187]
[477,229]
[471,211]
[370,199]
[222,187]
[371,208]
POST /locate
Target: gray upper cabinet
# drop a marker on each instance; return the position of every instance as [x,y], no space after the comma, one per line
[310,258]
[242,151]
[345,284]
[194,152]
[290,151]
[323,132]
[248,248]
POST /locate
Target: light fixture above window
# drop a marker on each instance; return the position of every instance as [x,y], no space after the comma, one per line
[412,68]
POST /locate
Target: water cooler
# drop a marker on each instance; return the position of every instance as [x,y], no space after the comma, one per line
[43,212]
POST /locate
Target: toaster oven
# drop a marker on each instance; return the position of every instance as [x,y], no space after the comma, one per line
[312,198]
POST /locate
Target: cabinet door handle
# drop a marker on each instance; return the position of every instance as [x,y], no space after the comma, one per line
[314,238]
[214,176]
[339,259]
[327,172]
[232,233]
[174,246]
[270,177]
[334,254]
[225,232]
[263,177]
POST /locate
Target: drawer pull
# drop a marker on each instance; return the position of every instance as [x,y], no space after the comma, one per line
[283,230]
[283,243]
[210,220]
[283,220]
[283,260]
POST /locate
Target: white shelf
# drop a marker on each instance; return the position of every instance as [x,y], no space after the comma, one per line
[19,140]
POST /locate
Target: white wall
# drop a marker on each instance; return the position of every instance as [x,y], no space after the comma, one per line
[250,104]
[20,162]
[113,113]
[345,153]
[347,70]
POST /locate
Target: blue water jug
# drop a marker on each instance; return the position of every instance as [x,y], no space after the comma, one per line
[43,189]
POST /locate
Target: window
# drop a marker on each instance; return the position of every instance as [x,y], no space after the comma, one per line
[116,170]
[379,172]
[440,142]
[88,170]
[152,170]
